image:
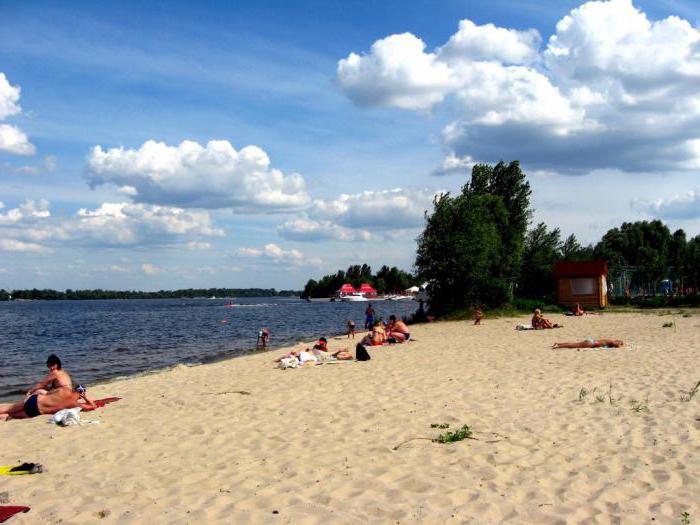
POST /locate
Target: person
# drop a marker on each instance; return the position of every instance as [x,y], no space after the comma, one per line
[263,338]
[55,379]
[377,337]
[592,343]
[351,328]
[540,323]
[322,353]
[369,317]
[50,403]
[478,315]
[578,311]
[397,330]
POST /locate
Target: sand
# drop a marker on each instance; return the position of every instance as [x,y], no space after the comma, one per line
[241,442]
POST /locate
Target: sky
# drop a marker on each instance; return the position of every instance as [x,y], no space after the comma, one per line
[168,145]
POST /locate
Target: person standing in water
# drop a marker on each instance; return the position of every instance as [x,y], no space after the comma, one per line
[369,317]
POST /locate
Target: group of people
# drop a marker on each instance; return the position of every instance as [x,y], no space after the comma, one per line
[539,322]
[53,393]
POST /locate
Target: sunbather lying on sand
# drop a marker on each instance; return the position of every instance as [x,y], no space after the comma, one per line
[38,404]
[540,323]
[591,343]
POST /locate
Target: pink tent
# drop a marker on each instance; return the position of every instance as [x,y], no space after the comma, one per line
[346,288]
[367,289]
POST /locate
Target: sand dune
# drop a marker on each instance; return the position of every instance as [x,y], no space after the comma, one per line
[241,442]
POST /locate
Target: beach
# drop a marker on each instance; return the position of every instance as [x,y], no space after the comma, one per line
[560,436]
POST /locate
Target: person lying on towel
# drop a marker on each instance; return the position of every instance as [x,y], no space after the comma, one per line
[38,404]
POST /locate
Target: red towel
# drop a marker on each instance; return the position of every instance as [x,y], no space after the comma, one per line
[7,512]
[100,403]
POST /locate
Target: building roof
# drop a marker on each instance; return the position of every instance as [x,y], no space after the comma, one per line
[580,268]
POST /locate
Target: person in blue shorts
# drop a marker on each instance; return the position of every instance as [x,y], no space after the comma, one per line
[369,317]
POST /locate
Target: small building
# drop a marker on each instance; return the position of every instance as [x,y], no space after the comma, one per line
[582,282]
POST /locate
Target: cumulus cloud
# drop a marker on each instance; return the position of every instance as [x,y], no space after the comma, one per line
[272,253]
[306,229]
[611,89]
[109,225]
[194,176]
[678,207]
[376,210]
[12,139]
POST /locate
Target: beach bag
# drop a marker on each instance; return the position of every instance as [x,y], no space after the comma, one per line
[361,353]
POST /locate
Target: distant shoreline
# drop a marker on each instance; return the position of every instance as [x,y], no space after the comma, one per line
[187,293]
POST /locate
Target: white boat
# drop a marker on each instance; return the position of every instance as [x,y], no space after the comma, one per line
[400,298]
[355,297]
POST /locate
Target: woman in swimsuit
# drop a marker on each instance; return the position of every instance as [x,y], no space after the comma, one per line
[592,343]
[38,404]
[55,379]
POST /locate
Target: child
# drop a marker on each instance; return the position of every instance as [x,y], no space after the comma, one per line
[478,315]
[351,329]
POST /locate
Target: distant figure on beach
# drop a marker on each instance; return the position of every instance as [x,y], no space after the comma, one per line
[592,343]
[369,317]
[478,315]
[263,338]
[55,379]
[351,329]
[540,323]
[578,311]
[397,330]
[39,404]
[377,337]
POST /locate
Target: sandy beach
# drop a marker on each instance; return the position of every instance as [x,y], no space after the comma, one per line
[562,436]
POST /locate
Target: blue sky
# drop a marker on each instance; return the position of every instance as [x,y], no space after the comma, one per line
[172,145]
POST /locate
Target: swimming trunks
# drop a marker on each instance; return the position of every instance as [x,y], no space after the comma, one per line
[31,406]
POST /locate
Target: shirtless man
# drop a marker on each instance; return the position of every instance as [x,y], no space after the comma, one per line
[592,343]
[398,330]
[55,379]
[540,323]
[38,404]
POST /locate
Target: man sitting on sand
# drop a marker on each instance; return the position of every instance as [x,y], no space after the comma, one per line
[55,379]
[38,404]
[540,323]
[592,343]
[397,330]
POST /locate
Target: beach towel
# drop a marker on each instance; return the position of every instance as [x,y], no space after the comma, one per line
[6,512]
[19,470]
[100,403]
[524,327]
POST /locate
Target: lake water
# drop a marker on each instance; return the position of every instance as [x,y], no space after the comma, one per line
[100,340]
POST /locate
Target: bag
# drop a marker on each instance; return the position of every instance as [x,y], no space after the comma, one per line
[361,353]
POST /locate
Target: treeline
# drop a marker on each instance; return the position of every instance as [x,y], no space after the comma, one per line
[476,248]
[386,280]
[189,293]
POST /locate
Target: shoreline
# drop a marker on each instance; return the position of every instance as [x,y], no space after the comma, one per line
[238,441]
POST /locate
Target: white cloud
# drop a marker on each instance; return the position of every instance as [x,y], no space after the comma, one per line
[111,224]
[194,245]
[612,89]
[194,176]
[150,269]
[376,210]
[274,254]
[397,72]
[678,207]
[12,139]
[12,245]
[305,229]
[453,164]
[488,42]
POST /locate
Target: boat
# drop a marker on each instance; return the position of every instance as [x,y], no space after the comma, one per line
[400,298]
[319,299]
[354,297]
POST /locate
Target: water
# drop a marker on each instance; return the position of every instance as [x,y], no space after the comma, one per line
[100,340]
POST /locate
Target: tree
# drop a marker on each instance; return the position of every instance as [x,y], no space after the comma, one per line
[542,249]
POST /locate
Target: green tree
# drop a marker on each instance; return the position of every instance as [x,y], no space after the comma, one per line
[542,249]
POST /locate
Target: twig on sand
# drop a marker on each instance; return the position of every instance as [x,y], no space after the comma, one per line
[409,440]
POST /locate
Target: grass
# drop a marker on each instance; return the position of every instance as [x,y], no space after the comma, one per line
[458,435]
[582,394]
[668,325]
[691,393]
[685,518]
[640,406]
